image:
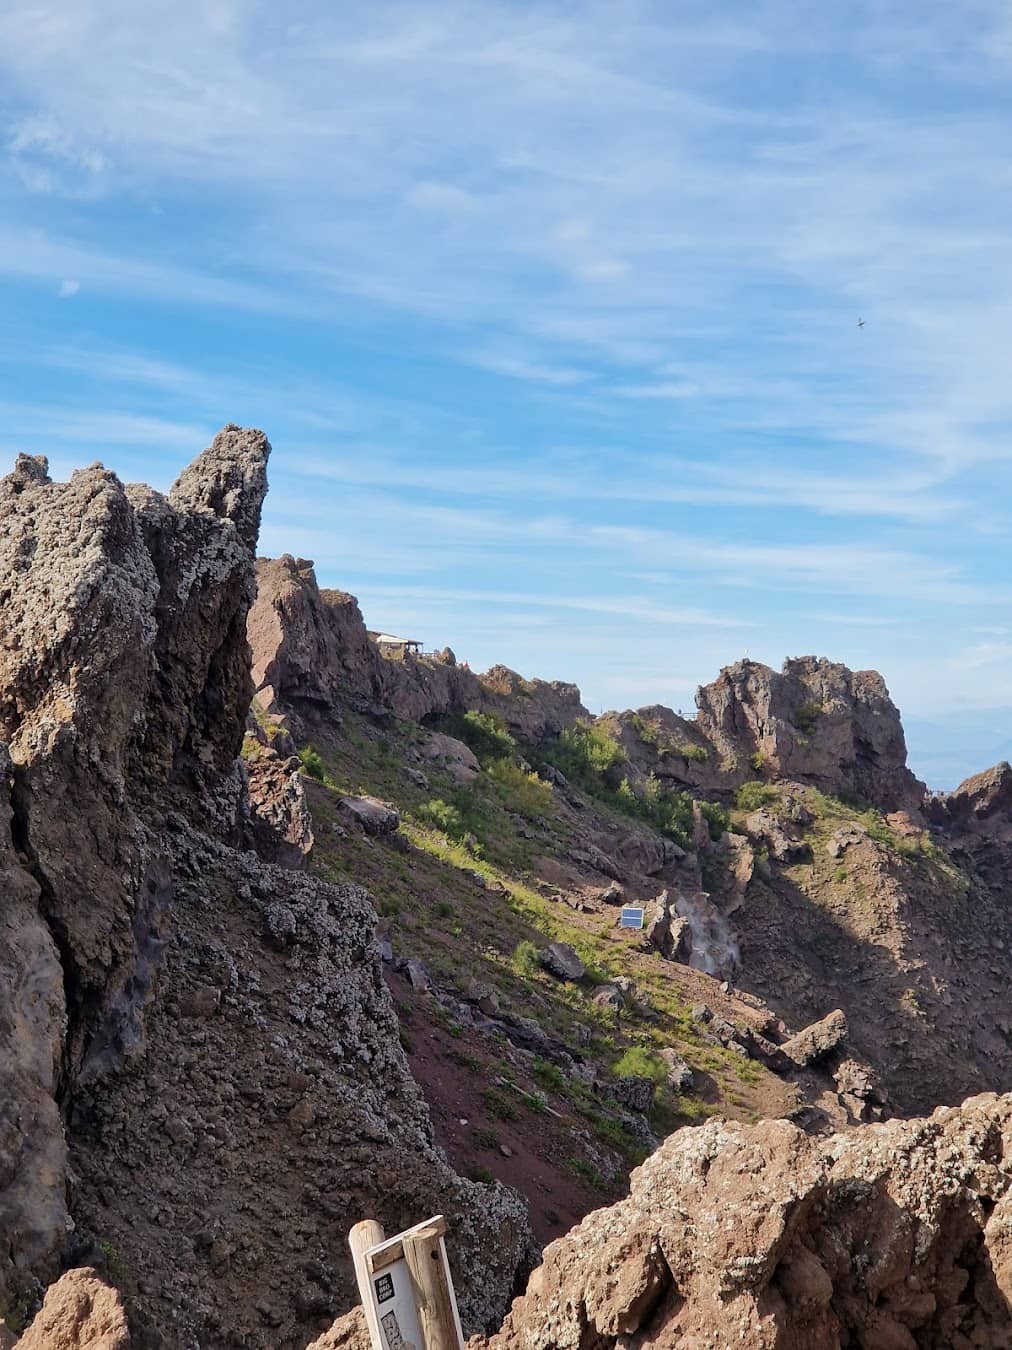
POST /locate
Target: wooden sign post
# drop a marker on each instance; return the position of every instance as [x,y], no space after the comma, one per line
[406,1288]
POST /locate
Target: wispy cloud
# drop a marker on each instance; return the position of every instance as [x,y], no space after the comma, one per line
[651,228]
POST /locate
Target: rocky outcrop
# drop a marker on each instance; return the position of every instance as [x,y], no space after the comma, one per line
[815,722]
[894,1235]
[213,1029]
[80,1312]
[312,652]
[817,1041]
[983,802]
[280,825]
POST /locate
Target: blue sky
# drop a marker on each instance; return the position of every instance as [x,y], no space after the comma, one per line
[550,312]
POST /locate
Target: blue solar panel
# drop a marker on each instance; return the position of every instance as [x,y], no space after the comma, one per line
[631,917]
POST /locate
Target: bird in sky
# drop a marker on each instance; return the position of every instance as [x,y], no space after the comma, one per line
[860,323]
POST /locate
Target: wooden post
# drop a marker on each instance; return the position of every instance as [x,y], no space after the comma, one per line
[434,1299]
[364,1235]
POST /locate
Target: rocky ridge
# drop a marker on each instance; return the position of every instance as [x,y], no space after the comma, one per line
[207,1086]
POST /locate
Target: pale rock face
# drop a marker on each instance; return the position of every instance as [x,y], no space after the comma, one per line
[80,1312]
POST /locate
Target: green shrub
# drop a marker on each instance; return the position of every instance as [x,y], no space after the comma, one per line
[806,717]
[695,754]
[585,753]
[639,1062]
[758,762]
[549,1075]
[587,1171]
[443,816]
[754,794]
[484,733]
[717,818]
[522,790]
[312,764]
[525,959]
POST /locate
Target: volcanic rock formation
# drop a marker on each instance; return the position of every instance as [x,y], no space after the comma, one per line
[203,1082]
[889,1237]
[311,651]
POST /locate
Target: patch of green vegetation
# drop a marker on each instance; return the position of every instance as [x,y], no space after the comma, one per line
[717,818]
[747,1070]
[806,717]
[549,1076]
[757,762]
[114,1262]
[444,816]
[484,734]
[847,807]
[755,794]
[525,959]
[251,748]
[522,790]
[695,754]
[312,764]
[586,753]
[485,1138]
[483,1175]
[612,1132]
[587,1171]
[638,1062]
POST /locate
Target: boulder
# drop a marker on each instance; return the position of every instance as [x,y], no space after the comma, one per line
[860,1090]
[609,996]
[680,1075]
[846,837]
[559,959]
[80,1312]
[280,823]
[779,836]
[588,855]
[817,1041]
[453,756]
[633,1092]
[484,995]
[375,817]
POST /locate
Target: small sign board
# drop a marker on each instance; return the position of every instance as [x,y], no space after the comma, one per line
[394,1295]
[631,916]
